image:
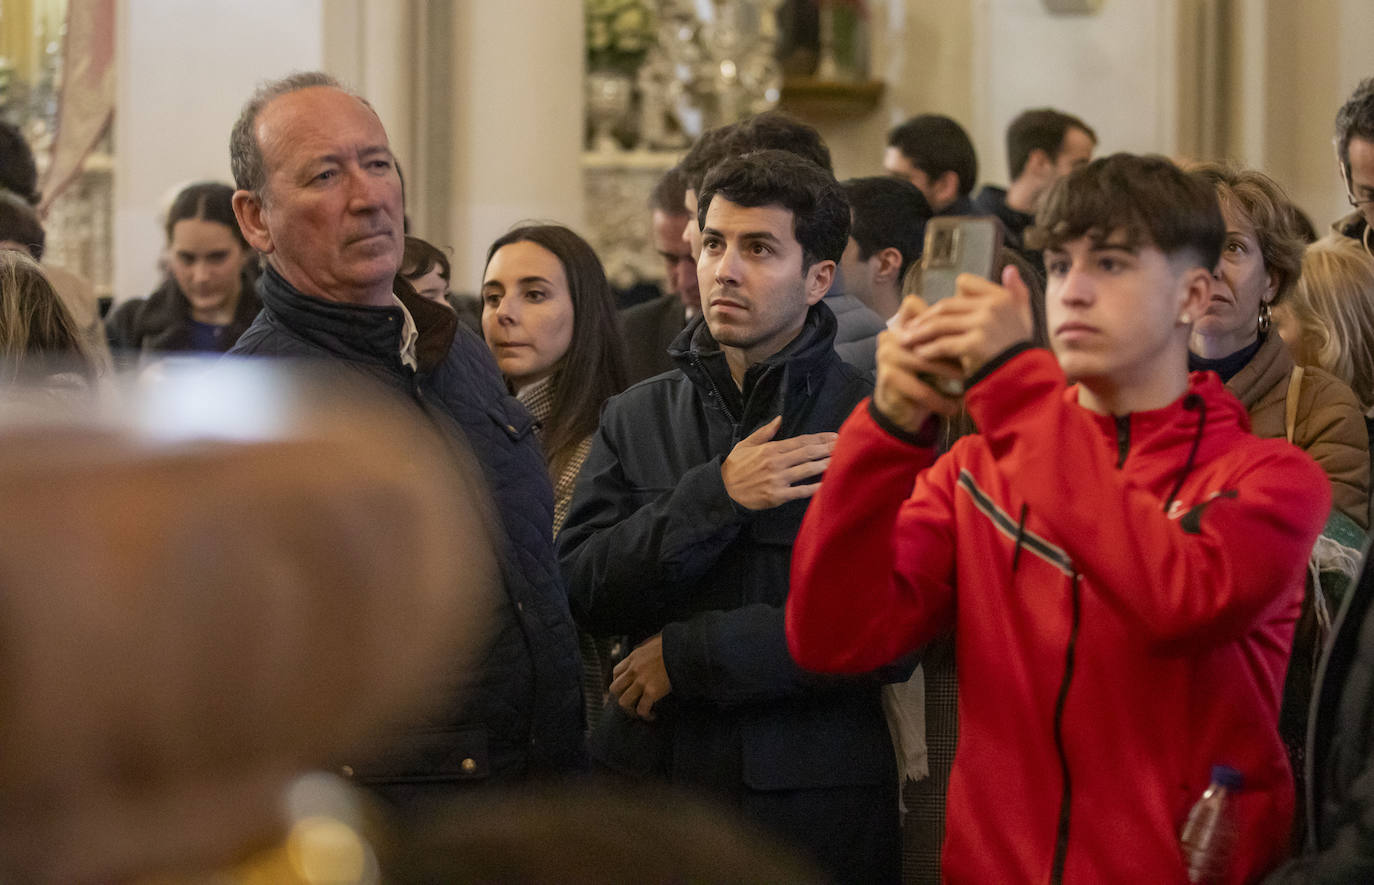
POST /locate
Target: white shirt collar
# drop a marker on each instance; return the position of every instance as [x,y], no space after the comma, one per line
[409,335]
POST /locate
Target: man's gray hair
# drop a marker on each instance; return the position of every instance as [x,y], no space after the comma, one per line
[245,154]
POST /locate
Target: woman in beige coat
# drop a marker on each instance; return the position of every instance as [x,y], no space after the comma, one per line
[1260,263]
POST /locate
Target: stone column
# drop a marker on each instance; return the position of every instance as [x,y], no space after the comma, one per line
[517,123]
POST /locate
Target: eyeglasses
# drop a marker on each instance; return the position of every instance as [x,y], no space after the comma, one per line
[1350,191]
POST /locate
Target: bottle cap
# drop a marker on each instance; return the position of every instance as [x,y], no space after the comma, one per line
[1227,777]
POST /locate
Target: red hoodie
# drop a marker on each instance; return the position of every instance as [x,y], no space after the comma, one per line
[1109,652]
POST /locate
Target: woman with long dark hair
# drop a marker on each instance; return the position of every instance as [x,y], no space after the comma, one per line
[549,317]
[207,300]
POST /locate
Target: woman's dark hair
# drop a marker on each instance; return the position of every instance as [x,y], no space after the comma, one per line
[593,369]
[18,171]
[20,224]
[207,200]
[420,257]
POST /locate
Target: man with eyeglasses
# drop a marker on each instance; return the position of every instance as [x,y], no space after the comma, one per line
[1355,153]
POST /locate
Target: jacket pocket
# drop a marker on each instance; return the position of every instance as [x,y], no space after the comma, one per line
[630,747]
[421,755]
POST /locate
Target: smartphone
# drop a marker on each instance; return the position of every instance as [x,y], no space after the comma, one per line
[955,245]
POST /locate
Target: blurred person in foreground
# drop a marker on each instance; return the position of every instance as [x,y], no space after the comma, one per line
[319,196]
[1120,559]
[201,604]
[681,530]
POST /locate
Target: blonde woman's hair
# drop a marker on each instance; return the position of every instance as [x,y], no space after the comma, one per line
[1333,304]
[37,333]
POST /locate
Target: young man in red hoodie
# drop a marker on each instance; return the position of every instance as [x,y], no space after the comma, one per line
[1121,561]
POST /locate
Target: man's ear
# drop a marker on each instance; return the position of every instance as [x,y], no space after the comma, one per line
[946,188]
[818,280]
[1195,291]
[249,211]
[1343,169]
[889,265]
[1038,162]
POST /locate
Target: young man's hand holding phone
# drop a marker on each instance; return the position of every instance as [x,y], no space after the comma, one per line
[960,322]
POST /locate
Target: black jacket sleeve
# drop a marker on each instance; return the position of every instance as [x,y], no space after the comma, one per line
[740,657]
[121,326]
[626,551]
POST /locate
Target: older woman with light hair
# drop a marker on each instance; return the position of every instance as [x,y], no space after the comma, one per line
[1260,265]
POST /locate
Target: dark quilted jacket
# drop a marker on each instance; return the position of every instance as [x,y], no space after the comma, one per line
[522,714]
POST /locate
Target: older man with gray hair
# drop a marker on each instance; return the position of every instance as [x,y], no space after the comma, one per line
[320,197]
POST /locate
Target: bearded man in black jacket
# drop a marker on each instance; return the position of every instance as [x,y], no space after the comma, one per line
[681,531]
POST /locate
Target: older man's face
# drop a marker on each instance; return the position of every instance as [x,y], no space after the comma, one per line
[332,217]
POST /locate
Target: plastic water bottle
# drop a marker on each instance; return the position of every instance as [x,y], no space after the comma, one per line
[1209,836]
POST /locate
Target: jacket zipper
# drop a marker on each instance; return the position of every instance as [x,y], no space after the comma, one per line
[1061,841]
[716,392]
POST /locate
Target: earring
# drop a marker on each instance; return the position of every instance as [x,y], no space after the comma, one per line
[1266,318]
[1185,320]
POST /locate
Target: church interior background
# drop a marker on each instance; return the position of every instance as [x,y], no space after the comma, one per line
[546,109]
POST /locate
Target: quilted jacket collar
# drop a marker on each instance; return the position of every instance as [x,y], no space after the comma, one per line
[361,332]
[769,384]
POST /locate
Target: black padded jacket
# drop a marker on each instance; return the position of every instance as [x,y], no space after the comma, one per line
[653,543]
[520,715]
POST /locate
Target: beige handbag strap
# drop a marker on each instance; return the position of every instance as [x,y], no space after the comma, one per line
[1290,414]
